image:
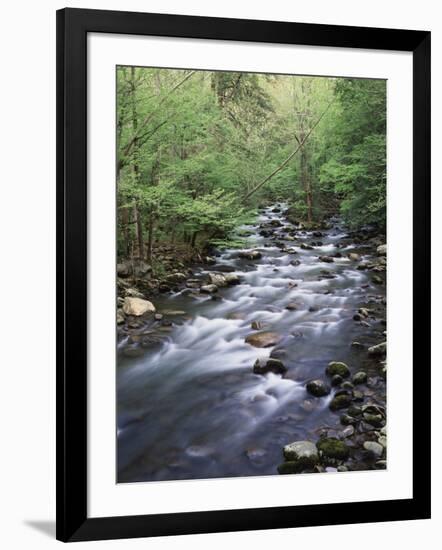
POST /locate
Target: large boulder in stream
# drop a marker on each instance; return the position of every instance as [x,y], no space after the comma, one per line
[378,351]
[137,306]
[303,452]
[382,250]
[318,388]
[232,279]
[263,339]
[217,279]
[271,365]
[209,289]
[337,367]
[332,448]
[250,254]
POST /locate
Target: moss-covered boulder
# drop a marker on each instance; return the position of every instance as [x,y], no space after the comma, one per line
[337,367]
[340,401]
[318,388]
[332,448]
[299,456]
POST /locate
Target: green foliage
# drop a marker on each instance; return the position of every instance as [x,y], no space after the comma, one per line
[192,144]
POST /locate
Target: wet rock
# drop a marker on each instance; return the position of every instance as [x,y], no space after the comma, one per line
[354,411]
[332,448]
[382,250]
[359,378]
[378,351]
[375,420]
[377,280]
[358,396]
[263,339]
[382,440]
[306,246]
[318,388]
[176,277]
[347,420]
[158,316]
[337,367]
[295,262]
[292,306]
[120,316]
[347,385]
[374,448]
[209,289]
[354,257]
[303,453]
[381,464]
[209,260]
[340,401]
[232,279]
[327,259]
[271,365]
[137,306]
[134,293]
[250,255]
[336,380]
[364,312]
[347,432]
[217,279]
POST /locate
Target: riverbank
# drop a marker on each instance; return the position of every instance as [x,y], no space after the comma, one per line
[280,345]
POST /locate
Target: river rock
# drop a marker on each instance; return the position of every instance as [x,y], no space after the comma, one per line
[340,401]
[359,378]
[378,351]
[133,293]
[137,306]
[263,339]
[318,388]
[336,380]
[271,365]
[176,278]
[232,279]
[120,316]
[337,367]
[353,257]
[303,453]
[292,306]
[347,420]
[382,250]
[332,448]
[217,279]
[250,255]
[209,289]
[375,420]
[295,262]
[374,448]
[326,259]
[377,280]
[306,246]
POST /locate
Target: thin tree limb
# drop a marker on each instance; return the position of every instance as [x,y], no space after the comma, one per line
[127,149]
[289,158]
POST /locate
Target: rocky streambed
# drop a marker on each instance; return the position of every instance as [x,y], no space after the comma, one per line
[265,360]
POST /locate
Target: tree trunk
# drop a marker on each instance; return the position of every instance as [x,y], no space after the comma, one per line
[135,166]
[194,236]
[150,237]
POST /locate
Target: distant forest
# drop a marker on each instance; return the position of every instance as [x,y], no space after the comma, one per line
[199,151]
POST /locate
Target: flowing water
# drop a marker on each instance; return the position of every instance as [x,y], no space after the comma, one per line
[192,407]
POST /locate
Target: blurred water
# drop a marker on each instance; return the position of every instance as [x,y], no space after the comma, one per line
[193,407]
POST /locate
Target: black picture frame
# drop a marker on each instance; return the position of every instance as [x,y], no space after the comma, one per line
[73,25]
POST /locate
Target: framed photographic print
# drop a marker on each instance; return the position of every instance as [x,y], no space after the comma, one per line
[243,234]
